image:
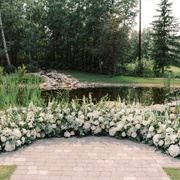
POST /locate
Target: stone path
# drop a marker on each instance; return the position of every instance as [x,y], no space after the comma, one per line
[88,158]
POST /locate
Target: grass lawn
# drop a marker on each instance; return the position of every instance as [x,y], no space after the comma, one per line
[6,172]
[99,78]
[174,173]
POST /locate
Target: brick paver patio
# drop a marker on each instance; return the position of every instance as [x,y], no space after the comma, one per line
[88,158]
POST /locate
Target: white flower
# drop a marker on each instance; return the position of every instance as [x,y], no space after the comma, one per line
[112,131]
[87,125]
[17,133]
[80,113]
[102,126]
[161,142]
[60,115]
[174,150]
[23,140]
[73,114]
[122,111]
[156,139]
[67,134]
[89,115]
[13,124]
[169,130]
[96,123]
[137,126]
[95,114]
[173,138]
[53,126]
[134,135]
[93,127]
[72,133]
[97,130]
[120,126]
[149,135]
[24,131]
[38,135]
[79,121]
[151,128]
[123,134]
[3,139]
[18,143]
[9,146]
[40,119]
[111,123]
[101,119]
[30,125]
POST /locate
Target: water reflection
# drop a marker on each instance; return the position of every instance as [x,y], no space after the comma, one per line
[144,95]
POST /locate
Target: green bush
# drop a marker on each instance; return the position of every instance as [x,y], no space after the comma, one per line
[142,69]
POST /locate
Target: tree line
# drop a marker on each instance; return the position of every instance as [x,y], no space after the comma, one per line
[86,35]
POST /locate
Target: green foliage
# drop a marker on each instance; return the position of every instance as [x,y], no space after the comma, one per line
[19,90]
[67,34]
[21,71]
[1,70]
[166,45]
[144,69]
[10,69]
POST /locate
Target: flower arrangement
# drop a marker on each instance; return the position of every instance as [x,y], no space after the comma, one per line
[20,126]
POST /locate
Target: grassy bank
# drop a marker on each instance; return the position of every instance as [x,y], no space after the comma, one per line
[99,78]
[6,172]
[174,173]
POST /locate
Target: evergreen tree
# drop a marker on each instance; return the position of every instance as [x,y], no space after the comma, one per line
[166,41]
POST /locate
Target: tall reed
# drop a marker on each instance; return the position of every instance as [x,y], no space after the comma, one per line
[12,93]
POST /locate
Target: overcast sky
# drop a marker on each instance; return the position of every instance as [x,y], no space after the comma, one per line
[149,10]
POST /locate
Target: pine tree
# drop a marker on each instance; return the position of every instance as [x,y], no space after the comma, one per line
[166,41]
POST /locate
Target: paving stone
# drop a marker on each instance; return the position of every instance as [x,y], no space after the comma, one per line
[94,158]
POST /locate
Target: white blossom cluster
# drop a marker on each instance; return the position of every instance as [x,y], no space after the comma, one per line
[20,126]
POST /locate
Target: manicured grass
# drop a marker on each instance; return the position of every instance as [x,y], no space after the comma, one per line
[174,173]
[99,78]
[175,69]
[6,172]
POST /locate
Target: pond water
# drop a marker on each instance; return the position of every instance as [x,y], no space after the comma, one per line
[144,95]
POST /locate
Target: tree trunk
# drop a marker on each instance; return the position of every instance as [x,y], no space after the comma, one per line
[4,42]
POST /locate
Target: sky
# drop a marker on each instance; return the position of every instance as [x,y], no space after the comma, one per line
[149,10]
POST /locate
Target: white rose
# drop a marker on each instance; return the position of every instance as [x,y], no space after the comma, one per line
[72,133]
[18,143]
[112,131]
[38,135]
[149,135]
[67,134]
[97,130]
[23,140]
[93,128]
[111,123]
[101,119]
[3,139]
[156,139]
[174,150]
[87,125]
[9,146]
[134,135]
[169,130]
[53,126]
[161,142]
[137,126]
[96,122]
[123,134]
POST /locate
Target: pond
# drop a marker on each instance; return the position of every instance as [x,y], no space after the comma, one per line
[144,95]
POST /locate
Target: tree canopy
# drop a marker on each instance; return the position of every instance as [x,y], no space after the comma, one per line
[166,41]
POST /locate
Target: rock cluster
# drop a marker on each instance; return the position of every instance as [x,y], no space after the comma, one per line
[54,80]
